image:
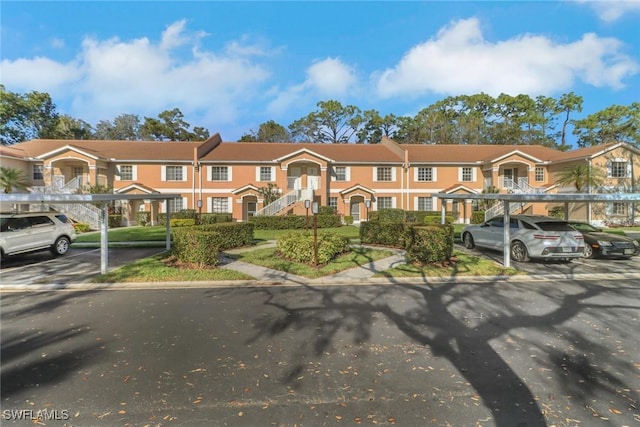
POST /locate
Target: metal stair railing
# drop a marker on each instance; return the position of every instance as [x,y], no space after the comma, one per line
[288,199]
[85,213]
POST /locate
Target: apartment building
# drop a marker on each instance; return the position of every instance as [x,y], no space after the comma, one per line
[355,179]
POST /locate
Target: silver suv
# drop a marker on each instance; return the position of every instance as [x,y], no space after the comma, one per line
[35,231]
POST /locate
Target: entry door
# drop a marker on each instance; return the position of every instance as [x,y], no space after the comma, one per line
[312,178]
[251,208]
[295,180]
[355,211]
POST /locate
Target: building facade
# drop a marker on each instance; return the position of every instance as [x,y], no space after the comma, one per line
[355,179]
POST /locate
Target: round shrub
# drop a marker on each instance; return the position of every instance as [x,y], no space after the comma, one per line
[298,246]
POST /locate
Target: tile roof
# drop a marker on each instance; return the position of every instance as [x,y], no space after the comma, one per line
[269,151]
[121,150]
[449,153]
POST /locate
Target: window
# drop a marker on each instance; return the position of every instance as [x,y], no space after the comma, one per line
[425,174]
[219,173]
[425,203]
[38,172]
[77,171]
[333,202]
[220,204]
[265,173]
[40,221]
[466,174]
[617,169]
[340,173]
[619,208]
[126,172]
[539,174]
[176,204]
[384,174]
[174,173]
[385,202]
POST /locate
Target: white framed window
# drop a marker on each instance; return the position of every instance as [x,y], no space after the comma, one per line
[424,203]
[176,204]
[618,168]
[467,174]
[425,174]
[265,173]
[220,204]
[333,202]
[174,173]
[384,202]
[384,173]
[617,209]
[126,173]
[38,172]
[341,173]
[539,174]
[220,173]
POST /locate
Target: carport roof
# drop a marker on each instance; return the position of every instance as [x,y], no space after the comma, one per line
[80,198]
[568,197]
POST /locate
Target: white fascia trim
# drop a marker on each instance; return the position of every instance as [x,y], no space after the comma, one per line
[511,153]
[68,147]
[301,151]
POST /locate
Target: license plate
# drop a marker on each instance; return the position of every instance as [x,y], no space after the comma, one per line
[628,251]
[567,249]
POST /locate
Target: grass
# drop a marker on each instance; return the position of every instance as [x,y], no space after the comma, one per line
[267,257]
[156,269]
[466,265]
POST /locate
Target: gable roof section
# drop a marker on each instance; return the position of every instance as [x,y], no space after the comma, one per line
[591,152]
[121,151]
[69,147]
[455,187]
[263,152]
[136,186]
[453,153]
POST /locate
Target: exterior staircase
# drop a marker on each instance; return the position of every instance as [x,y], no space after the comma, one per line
[521,187]
[79,212]
[293,196]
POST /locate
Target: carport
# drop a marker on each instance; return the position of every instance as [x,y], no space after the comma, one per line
[100,200]
[507,199]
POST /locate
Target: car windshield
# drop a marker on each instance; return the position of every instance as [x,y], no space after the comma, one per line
[554,226]
[581,226]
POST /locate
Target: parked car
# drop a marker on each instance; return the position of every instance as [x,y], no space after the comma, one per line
[35,231]
[532,236]
[601,244]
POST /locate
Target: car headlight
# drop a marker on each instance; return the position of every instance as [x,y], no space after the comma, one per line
[604,243]
[636,243]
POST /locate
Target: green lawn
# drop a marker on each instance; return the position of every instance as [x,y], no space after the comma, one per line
[466,265]
[154,269]
[267,257]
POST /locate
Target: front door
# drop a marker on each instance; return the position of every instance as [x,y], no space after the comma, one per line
[312,178]
[355,211]
[295,181]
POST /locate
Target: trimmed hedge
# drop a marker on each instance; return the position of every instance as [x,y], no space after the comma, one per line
[143,218]
[182,222]
[429,244]
[294,222]
[399,215]
[82,227]
[298,246]
[477,217]
[197,247]
[114,221]
[383,233]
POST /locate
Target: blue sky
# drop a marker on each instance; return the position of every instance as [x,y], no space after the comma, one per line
[230,66]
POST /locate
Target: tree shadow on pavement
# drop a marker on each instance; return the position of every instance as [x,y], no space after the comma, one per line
[460,323]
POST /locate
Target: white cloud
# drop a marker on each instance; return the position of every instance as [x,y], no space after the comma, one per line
[328,78]
[460,61]
[111,77]
[612,10]
[57,43]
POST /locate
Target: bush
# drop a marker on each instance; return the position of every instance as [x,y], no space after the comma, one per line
[387,215]
[293,222]
[383,233]
[228,234]
[196,246]
[348,219]
[329,220]
[298,246]
[215,218]
[82,227]
[114,221]
[143,218]
[177,222]
[181,214]
[437,219]
[477,217]
[429,244]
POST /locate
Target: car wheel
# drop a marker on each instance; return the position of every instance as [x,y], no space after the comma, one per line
[61,246]
[519,252]
[468,241]
[588,251]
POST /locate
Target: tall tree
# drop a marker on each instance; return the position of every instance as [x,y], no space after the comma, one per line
[24,117]
[375,127]
[125,127]
[268,132]
[70,128]
[332,123]
[616,123]
[170,126]
[568,103]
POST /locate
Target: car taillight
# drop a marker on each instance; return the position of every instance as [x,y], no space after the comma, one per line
[578,237]
[545,237]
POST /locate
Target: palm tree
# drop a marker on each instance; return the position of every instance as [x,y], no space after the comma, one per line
[12,178]
[581,177]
